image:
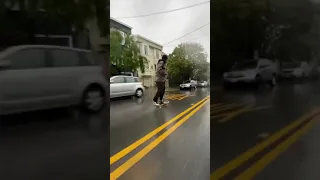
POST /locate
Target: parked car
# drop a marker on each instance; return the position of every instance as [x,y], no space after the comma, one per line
[202,84]
[295,70]
[36,77]
[251,71]
[188,84]
[125,86]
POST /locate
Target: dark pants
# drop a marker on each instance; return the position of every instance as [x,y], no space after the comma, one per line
[160,92]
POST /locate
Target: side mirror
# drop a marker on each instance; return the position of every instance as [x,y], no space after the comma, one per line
[4,64]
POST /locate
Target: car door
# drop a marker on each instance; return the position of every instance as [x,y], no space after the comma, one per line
[130,85]
[263,70]
[117,87]
[23,84]
[65,76]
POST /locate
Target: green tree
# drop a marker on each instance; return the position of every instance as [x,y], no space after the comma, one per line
[75,13]
[188,60]
[125,57]
[273,27]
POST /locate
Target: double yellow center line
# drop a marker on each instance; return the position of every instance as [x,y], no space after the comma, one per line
[258,166]
[137,157]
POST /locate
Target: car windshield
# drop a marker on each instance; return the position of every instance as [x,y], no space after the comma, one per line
[184,82]
[291,65]
[245,65]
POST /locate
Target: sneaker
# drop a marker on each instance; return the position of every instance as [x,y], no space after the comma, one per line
[156,104]
[164,102]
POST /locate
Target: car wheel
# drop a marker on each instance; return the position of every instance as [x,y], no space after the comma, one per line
[93,99]
[139,93]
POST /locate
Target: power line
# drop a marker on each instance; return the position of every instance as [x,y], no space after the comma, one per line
[189,40]
[187,33]
[163,12]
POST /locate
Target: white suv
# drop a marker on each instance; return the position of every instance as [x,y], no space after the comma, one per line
[251,71]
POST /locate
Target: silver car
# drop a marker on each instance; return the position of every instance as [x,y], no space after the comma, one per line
[251,71]
[36,77]
[125,86]
[188,84]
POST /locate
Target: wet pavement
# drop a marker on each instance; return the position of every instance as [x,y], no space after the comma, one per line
[55,144]
[180,149]
[64,144]
[259,134]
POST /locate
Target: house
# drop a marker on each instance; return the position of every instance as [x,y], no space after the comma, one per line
[152,51]
[119,26]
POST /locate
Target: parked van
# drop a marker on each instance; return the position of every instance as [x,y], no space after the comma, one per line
[36,77]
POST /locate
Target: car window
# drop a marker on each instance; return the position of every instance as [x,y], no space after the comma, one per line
[136,80]
[291,65]
[245,65]
[64,58]
[118,80]
[89,59]
[28,59]
[129,79]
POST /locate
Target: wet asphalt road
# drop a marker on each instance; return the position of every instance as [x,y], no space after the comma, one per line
[53,145]
[64,144]
[184,154]
[252,120]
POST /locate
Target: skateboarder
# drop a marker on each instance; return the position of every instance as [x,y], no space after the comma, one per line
[161,78]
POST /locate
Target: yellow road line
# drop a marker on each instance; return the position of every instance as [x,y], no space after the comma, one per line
[257,167]
[174,96]
[219,116]
[223,106]
[224,109]
[260,108]
[235,163]
[137,157]
[215,105]
[235,113]
[133,146]
[183,97]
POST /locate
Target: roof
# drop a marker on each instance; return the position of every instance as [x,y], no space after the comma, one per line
[11,49]
[144,38]
[121,23]
[47,46]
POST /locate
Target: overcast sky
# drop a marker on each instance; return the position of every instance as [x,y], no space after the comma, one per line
[164,28]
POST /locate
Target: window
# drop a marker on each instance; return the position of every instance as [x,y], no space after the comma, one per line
[136,80]
[117,80]
[90,59]
[145,49]
[129,79]
[65,58]
[158,56]
[155,66]
[28,59]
